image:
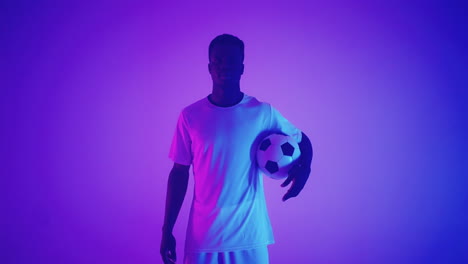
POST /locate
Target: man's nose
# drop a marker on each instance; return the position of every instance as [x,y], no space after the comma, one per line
[226,66]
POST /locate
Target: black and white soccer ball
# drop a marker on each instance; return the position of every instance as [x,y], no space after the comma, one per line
[276,154]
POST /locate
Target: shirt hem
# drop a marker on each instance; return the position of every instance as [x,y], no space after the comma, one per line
[231,248]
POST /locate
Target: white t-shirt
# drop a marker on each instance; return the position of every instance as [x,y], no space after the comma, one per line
[228,210]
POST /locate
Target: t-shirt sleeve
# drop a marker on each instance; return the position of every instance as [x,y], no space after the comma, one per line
[279,123]
[181,147]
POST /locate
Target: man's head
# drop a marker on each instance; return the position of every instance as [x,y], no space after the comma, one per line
[226,56]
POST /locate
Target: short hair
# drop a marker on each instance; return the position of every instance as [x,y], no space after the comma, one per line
[226,39]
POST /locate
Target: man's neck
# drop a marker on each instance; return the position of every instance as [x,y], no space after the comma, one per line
[226,96]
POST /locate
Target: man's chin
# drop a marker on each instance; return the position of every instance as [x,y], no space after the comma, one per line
[227,81]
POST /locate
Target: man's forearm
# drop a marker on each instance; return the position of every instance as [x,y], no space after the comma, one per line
[306,151]
[176,189]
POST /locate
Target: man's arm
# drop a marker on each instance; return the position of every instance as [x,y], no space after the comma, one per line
[176,190]
[299,173]
[305,160]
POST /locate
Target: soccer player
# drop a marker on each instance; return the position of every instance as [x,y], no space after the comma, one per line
[218,135]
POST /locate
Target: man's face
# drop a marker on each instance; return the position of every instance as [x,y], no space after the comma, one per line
[226,64]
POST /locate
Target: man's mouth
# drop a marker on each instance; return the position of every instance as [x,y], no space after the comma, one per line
[226,74]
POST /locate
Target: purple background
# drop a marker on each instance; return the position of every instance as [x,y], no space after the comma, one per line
[90,94]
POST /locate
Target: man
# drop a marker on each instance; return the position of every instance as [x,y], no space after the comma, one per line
[219,135]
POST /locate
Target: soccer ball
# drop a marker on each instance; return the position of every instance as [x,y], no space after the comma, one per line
[276,154]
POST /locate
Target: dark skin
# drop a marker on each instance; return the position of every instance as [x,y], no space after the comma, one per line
[226,67]
[299,173]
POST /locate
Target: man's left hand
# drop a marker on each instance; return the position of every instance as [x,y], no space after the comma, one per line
[298,175]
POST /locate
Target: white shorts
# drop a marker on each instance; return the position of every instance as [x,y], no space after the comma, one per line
[256,255]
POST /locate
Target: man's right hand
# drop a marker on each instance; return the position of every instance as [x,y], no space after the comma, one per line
[168,248]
